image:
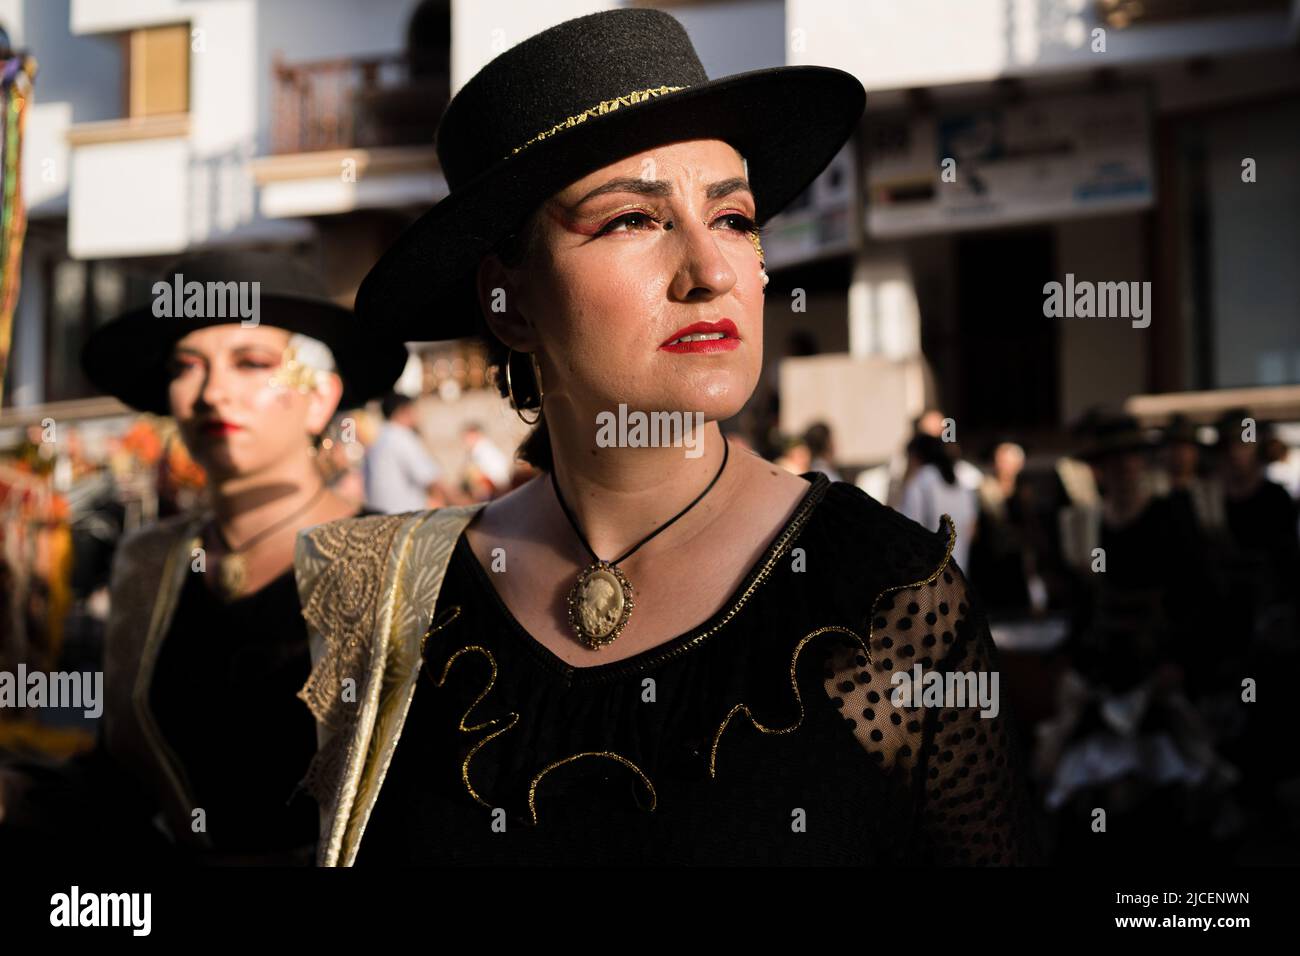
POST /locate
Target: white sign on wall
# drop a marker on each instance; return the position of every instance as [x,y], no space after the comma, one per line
[1046,159]
[820,221]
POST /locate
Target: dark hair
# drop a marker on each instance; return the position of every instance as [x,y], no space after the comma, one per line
[933,451]
[818,439]
[393,402]
[514,251]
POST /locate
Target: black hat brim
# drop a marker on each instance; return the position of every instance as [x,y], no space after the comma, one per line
[1121,445]
[127,357]
[788,123]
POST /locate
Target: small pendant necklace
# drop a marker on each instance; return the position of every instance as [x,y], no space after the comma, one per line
[600,603]
[232,569]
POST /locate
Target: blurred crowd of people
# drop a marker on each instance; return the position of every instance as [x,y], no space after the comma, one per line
[1151,580]
[1143,586]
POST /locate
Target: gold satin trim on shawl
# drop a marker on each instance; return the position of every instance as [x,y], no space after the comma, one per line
[794,659]
[600,109]
[163,610]
[378,647]
[391,709]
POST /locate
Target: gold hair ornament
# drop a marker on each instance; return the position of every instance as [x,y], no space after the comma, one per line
[295,373]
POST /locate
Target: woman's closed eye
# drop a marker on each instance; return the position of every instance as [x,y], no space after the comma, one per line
[178,366]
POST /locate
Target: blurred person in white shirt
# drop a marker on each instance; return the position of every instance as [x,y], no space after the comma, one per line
[933,491]
[488,469]
[400,474]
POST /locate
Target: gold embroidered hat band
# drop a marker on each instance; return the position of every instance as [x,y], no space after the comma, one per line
[572,99]
[600,109]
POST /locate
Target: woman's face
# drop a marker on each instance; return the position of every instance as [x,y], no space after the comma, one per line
[625,261]
[236,415]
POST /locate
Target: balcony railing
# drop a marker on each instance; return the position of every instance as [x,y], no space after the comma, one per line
[348,103]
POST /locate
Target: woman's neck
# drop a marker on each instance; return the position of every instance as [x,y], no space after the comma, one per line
[618,495]
[246,505]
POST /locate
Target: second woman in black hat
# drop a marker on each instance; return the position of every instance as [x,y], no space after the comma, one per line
[205,647]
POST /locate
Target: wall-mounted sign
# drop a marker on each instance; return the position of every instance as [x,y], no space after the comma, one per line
[820,220]
[1052,158]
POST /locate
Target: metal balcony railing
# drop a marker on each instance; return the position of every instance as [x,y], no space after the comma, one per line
[354,102]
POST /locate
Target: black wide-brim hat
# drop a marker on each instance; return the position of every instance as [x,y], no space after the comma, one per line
[1180,430]
[568,101]
[1114,435]
[127,357]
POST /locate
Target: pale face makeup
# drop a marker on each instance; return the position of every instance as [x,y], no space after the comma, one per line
[235,415]
[630,257]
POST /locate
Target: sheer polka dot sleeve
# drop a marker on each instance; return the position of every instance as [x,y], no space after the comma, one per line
[948,736]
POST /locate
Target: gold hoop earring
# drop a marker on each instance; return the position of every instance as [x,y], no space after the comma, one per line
[510,389]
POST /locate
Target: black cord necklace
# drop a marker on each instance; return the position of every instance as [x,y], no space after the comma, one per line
[233,566]
[600,603]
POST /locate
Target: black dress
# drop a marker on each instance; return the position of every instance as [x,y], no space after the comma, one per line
[224,695]
[762,736]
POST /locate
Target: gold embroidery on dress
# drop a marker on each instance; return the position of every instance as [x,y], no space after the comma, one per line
[866,648]
[794,684]
[600,109]
[792,531]
[509,721]
[532,787]
[930,578]
[778,548]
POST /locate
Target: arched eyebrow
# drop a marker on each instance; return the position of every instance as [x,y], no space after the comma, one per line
[659,187]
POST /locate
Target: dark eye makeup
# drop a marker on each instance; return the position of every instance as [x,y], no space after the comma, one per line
[741,222]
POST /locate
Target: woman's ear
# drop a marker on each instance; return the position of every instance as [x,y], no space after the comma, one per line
[323,401]
[499,303]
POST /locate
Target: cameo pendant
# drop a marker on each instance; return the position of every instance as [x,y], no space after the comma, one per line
[600,604]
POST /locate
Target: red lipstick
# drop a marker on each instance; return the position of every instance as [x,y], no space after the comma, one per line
[729,339]
[219,427]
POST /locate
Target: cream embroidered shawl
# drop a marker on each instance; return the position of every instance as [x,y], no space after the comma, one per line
[368,587]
